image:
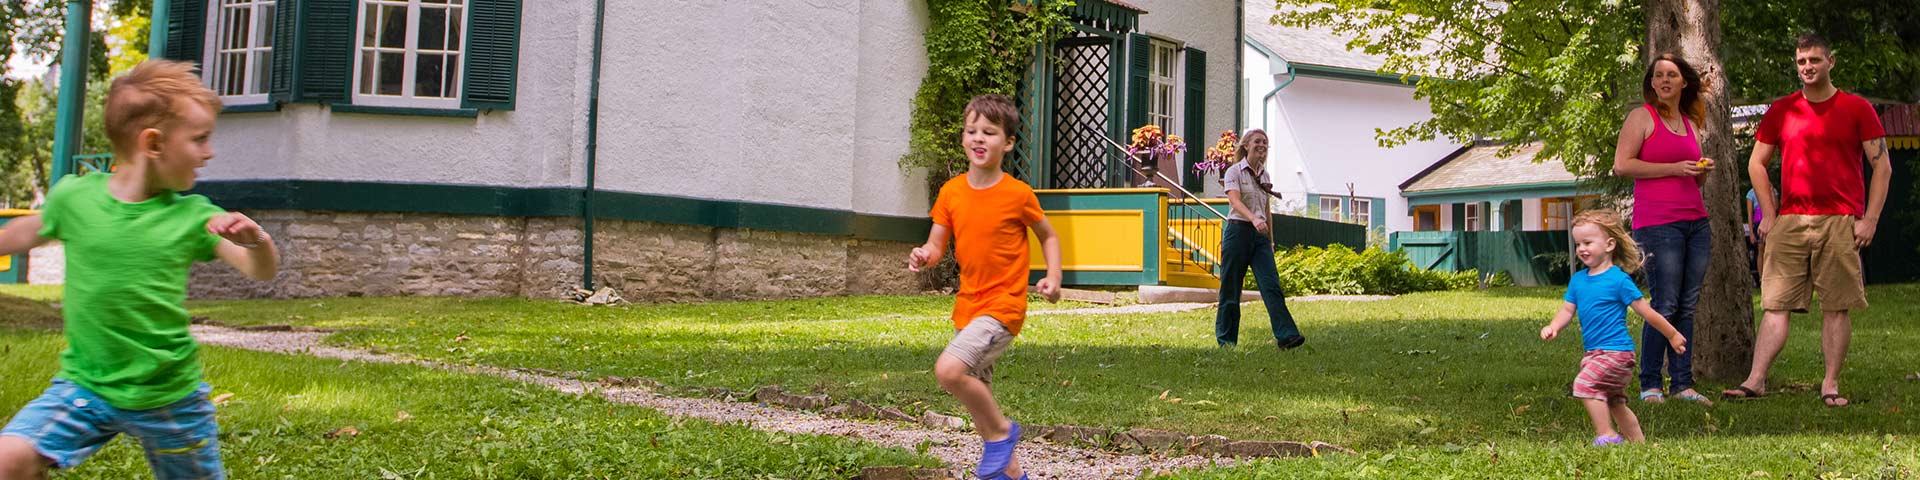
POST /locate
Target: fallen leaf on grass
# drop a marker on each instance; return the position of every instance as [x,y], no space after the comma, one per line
[462,337]
[346,431]
[1522,409]
[1913,376]
[221,399]
[402,416]
[1163,394]
[1066,383]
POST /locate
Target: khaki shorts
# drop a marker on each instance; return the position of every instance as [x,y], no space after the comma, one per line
[1808,255]
[979,345]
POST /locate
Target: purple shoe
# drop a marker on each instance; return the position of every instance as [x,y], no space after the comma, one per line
[1605,440]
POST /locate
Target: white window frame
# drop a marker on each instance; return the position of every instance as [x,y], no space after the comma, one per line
[256,44]
[1331,212]
[1363,211]
[1473,218]
[1165,90]
[410,54]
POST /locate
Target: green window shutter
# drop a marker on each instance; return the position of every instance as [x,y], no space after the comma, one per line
[1379,210]
[325,42]
[1459,217]
[1139,65]
[186,30]
[1196,103]
[492,54]
[286,20]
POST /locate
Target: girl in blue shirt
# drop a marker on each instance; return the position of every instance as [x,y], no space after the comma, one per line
[1601,296]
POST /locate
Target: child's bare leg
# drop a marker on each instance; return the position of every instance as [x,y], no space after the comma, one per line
[1601,415]
[974,394]
[18,459]
[1627,422]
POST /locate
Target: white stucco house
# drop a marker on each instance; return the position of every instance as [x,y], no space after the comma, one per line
[1320,105]
[723,149]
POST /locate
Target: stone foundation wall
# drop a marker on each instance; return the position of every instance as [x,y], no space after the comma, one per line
[326,254]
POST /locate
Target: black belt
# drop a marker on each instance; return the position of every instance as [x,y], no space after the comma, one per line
[1244,222]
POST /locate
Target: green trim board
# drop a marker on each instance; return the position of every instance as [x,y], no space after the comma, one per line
[1484,194]
[555,202]
[250,108]
[1354,74]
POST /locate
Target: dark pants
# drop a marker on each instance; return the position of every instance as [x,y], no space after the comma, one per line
[1243,247]
[1677,255]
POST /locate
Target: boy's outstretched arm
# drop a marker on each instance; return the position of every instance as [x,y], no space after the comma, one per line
[245,246]
[926,255]
[1660,323]
[20,235]
[1560,320]
[1049,247]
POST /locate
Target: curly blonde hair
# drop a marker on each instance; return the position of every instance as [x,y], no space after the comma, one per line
[1626,254]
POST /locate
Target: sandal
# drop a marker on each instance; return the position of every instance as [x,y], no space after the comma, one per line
[1695,397]
[1653,396]
[1829,400]
[1741,392]
[995,456]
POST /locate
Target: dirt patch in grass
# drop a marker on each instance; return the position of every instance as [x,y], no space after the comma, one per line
[16,312]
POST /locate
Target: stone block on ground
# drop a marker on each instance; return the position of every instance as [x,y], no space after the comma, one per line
[894,413]
[1323,448]
[853,409]
[1150,440]
[936,420]
[1069,434]
[1214,445]
[1247,448]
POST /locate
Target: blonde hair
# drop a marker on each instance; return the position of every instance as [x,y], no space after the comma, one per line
[1626,254]
[1240,151]
[150,96]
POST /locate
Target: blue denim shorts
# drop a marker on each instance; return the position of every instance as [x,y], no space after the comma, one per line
[68,423]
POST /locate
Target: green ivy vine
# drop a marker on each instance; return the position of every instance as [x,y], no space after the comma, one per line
[973,47]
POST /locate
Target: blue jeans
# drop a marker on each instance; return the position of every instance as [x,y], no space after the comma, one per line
[68,423]
[1242,247]
[1677,255]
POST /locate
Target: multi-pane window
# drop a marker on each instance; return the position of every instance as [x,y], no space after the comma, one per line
[409,53]
[1163,96]
[241,50]
[1473,218]
[1363,211]
[1555,213]
[1330,208]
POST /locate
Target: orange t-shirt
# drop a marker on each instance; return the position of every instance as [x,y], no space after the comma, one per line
[990,242]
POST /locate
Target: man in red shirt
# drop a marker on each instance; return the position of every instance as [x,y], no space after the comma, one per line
[1824,216]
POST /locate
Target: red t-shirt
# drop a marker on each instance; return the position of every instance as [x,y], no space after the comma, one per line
[990,243]
[1820,167]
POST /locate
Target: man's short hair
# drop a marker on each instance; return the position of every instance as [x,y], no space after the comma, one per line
[1813,40]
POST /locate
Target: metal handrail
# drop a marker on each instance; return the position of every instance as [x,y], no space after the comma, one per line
[1163,177]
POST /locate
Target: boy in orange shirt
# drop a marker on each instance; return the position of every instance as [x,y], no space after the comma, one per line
[988,212]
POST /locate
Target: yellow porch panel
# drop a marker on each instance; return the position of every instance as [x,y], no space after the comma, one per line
[1094,241]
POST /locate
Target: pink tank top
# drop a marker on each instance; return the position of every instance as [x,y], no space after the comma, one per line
[1664,200]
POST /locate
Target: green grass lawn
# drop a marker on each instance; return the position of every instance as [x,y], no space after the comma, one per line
[455,425]
[1442,384]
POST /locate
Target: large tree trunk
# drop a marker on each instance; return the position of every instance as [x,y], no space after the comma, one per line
[1723,321]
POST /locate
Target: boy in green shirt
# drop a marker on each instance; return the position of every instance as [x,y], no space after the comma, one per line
[131,366]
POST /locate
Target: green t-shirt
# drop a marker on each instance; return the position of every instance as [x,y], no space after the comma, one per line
[126,290]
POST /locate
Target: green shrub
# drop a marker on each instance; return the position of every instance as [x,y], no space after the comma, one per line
[1338,270]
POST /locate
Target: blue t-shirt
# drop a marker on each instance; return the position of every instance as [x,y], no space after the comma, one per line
[1601,302]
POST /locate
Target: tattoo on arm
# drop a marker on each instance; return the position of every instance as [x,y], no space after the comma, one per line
[1878,151]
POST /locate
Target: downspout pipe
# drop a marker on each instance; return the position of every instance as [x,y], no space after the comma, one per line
[1273,59]
[73,88]
[1264,100]
[593,145]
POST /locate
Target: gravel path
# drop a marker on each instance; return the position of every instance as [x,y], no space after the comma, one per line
[956,449]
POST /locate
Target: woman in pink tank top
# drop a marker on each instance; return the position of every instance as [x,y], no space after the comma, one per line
[1659,150]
